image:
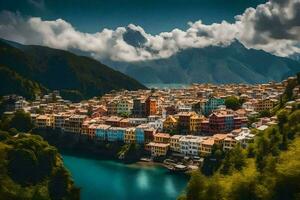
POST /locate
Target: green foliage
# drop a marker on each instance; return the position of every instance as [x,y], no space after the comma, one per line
[17,84]
[58,185]
[26,71]
[130,152]
[269,173]
[235,159]
[213,162]
[233,103]
[29,168]
[265,113]
[31,160]
[21,121]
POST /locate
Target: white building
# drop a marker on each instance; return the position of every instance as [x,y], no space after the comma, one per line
[190,145]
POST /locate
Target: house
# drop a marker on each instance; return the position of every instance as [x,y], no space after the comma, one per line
[91,131]
[116,134]
[149,134]
[43,121]
[157,149]
[263,104]
[170,125]
[113,121]
[130,135]
[140,133]
[195,124]
[161,138]
[112,107]
[174,143]
[124,107]
[21,104]
[59,120]
[211,104]
[74,123]
[190,145]
[206,146]
[150,106]
[229,143]
[138,109]
[101,132]
[243,136]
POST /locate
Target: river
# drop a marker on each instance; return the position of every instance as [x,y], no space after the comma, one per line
[111,180]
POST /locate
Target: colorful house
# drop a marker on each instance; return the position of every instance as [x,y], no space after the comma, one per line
[101,132]
[212,104]
[115,134]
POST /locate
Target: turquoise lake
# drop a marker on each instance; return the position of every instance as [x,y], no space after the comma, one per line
[110,180]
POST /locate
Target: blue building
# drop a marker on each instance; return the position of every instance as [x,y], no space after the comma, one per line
[229,122]
[101,132]
[212,104]
[115,134]
[140,134]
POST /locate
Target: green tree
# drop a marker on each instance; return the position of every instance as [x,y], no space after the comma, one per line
[21,121]
[232,102]
[196,187]
[265,113]
[282,117]
[58,185]
[23,166]
[213,161]
[235,159]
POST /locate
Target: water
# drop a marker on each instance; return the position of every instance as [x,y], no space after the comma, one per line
[110,180]
[167,85]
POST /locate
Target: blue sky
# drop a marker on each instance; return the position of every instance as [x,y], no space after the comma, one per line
[135,30]
[153,15]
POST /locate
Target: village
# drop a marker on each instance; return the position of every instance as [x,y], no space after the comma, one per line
[185,122]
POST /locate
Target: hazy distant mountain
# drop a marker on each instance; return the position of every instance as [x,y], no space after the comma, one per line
[36,68]
[231,64]
[295,56]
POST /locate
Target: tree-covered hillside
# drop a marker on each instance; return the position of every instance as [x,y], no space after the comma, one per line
[32,169]
[76,76]
[269,169]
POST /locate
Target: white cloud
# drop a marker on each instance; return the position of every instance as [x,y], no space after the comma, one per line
[273,27]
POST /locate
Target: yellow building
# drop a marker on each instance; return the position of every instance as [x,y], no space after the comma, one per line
[174,143]
[206,146]
[129,135]
[161,138]
[195,122]
[170,124]
[157,149]
[219,138]
[44,121]
[229,143]
[74,123]
[263,104]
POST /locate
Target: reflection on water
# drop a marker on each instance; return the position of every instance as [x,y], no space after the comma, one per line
[107,180]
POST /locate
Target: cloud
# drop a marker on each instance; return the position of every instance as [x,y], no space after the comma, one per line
[273,27]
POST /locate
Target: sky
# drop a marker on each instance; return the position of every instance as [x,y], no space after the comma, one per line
[154,16]
[135,30]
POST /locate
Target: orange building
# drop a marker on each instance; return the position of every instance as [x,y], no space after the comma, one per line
[150,106]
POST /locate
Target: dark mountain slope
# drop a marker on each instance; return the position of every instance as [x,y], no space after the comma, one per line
[62,70]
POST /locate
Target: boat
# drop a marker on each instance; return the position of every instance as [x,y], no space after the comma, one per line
[177,168]
[146,159]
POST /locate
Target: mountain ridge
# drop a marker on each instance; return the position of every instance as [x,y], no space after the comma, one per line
[57,69]
[230,64]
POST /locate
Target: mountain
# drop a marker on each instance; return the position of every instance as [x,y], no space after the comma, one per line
[231,64]
[38,68]
[13,82]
